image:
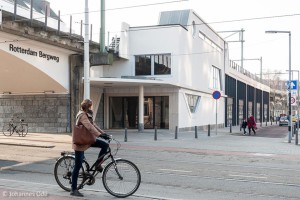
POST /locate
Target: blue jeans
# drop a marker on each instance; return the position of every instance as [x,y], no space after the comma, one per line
[101,144]
[79,155]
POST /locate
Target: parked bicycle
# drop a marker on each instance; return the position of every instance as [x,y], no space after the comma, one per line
[121,178]
[21,128]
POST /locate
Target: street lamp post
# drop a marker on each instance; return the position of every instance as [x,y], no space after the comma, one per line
[289,86]
[86,53]
[296,142]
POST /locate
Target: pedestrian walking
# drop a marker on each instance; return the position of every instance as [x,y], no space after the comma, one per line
[251,125]
[244,126]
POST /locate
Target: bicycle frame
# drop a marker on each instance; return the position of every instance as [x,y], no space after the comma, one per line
[91,172]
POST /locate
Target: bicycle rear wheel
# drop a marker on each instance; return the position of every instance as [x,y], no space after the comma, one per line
[63,170]
[7,129]
[121,178]
[23,130]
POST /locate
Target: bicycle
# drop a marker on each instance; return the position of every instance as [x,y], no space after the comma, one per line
[121,178]
[21,128]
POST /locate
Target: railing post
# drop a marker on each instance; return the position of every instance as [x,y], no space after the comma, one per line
[125,138]
[176,132]
[155,133]
[196,132]
[208,134]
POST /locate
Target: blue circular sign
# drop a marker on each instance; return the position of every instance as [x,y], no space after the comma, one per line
[216,94]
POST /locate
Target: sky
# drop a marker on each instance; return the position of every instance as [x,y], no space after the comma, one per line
[254,16]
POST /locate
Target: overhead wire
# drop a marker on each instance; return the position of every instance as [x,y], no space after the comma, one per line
[153,27]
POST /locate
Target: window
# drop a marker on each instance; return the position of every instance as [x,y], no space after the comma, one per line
[153,64]
[241,111]
[215,81]
[229,110]
[193,102]
[142,65]
[250,107]
[258,112]
[209,41]
[162,64]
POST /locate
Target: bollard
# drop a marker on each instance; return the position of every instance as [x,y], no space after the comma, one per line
[261,123]
[196,132]
[208,129]
[296,139]
[266,122]
[155,133]
[125,138]
[231,127]
[176,132]
[294,131]
[271,122]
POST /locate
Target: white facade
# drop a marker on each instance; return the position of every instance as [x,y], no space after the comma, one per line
[194,48]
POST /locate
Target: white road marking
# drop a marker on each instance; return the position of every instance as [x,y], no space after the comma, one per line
[175,170]
[246,176]
[263,154]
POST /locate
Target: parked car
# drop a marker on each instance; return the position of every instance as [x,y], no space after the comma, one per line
[283,121]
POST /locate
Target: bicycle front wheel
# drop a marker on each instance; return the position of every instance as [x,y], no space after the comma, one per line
[121,178]
[63,170]
[7,129]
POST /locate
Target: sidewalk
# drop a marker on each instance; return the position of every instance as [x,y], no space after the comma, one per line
[48,140]
[222,140]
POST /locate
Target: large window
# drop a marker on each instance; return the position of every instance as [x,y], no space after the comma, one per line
[229,110]
[241,111]
[215,80]
[258,112]
[146,65]
[250,107]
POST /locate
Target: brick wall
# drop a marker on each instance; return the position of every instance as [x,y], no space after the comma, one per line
[43,113]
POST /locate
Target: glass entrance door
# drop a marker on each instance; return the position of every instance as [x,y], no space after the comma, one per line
[123,112]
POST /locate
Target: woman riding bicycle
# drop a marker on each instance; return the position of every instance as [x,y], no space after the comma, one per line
[85,117]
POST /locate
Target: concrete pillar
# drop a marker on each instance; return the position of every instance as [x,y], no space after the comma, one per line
[96,94]
[141,108]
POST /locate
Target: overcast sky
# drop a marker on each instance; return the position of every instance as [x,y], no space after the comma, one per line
[229,15]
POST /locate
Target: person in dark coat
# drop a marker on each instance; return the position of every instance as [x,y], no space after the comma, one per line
[244,126]
[251,124]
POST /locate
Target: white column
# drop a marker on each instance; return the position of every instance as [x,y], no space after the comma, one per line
[141,108]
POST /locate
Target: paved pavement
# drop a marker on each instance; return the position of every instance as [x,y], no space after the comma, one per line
[222,142]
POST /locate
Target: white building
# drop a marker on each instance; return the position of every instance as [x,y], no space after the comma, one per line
[168,72]
[162,76]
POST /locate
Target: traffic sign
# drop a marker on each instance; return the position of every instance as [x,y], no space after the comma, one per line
[293,84]
[216,94]
[293,100]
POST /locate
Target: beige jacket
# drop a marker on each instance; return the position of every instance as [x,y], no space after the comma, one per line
[83,119]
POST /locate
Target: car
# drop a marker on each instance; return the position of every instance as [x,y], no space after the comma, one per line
[283,121]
